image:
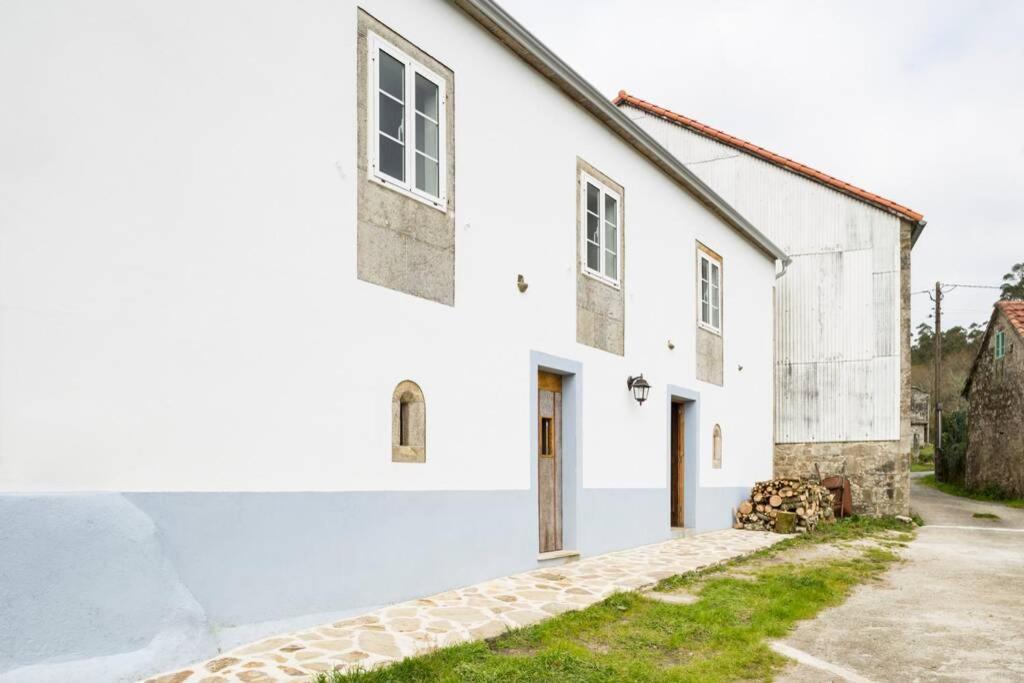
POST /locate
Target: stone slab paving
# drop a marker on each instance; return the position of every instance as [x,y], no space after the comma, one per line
[482,611]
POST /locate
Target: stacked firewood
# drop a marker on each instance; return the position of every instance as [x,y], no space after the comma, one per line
[785,506]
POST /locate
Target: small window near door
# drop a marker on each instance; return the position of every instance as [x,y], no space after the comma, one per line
[408,423]
[716,448]
[546,437]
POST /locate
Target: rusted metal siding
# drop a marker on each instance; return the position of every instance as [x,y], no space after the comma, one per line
[838,307]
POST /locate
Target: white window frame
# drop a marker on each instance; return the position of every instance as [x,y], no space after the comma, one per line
[375,43]
[615,282]
[713,262]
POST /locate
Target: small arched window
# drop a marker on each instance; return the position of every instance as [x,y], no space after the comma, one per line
[408,423]
[716,448]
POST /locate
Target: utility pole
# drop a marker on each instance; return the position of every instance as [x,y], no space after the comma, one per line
[939,464]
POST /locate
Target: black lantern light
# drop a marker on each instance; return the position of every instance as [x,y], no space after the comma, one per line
[640,387]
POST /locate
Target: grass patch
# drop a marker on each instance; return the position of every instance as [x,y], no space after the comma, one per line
[985,515]
[922,467]
[628,637]
[988,495]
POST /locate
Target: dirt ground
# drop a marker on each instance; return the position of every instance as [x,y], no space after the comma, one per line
[953,611]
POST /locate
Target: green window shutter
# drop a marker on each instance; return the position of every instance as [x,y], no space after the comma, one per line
[1000,344]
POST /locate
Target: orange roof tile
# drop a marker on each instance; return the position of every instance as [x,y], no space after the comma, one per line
[771,157]
[1014,312]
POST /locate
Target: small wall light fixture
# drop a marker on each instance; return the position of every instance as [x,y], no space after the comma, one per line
[521,283]
[639,386]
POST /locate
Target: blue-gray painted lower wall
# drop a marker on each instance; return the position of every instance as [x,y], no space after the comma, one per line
[111,586]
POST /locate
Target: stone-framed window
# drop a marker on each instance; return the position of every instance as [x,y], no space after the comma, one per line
[405,200]
[600,260]
[716,447]
[710,314]
[408,423]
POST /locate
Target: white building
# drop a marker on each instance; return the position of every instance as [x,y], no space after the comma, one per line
[842,335]
[309,310]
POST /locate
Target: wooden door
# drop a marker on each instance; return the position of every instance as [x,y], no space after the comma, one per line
[549,460]
[677,458]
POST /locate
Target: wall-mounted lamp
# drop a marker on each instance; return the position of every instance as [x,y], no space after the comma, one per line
[639,386]
[521,283]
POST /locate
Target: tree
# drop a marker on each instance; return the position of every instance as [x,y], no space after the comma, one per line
[1013,283]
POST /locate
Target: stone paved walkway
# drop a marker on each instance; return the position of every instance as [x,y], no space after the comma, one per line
[481,611]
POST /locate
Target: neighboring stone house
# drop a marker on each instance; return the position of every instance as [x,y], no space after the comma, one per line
[309,308]
[842,312]
[919,413]
[995,396]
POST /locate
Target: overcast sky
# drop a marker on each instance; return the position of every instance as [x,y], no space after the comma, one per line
[920,102]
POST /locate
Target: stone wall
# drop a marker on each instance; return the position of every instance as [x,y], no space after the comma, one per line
[879,471]
[995,418]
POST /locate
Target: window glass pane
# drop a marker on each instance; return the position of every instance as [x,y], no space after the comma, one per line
[392,75]
[705,312]
[426,136]
[705,291]
[593,228]
[611,265]
[426,175]
[391,117]
[593,199]
[715,316]
[593,257]
[703,269]
[714,275]
[611,210]
[392,158]
[426,97]
[611,240]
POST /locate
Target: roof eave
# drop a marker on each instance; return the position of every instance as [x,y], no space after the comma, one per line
[517,38]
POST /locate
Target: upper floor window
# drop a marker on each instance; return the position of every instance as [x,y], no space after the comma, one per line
[1000,349]
[407,105]
[710,291]
[601,207]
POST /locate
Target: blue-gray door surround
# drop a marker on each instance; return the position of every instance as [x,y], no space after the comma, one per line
[572,406]
[705,507]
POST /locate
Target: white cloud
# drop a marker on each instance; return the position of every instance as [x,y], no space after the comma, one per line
[921,102]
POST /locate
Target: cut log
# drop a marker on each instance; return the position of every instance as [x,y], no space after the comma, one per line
[785,523]
[746,507]
[775,501]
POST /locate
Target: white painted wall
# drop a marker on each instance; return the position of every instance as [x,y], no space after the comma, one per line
[838,324]
[179,308]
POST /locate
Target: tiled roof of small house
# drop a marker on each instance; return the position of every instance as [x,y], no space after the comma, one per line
[1014,312]
[769,156]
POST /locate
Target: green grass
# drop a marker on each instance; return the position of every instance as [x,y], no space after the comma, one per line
[927,452]
[989,495]
[627,637]
[922,467]
[985,515]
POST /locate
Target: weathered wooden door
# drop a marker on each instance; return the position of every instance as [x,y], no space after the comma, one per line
[549,460]
[678,463]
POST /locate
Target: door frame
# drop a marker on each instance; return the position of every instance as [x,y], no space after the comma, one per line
[572,410]
[690,400]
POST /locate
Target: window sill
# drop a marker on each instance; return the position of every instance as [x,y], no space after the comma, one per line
[708,328]
[604,280]
[438,204]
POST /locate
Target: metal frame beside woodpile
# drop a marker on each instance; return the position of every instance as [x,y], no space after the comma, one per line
[785,506]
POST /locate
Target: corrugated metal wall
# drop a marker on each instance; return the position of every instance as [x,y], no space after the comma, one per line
[837,346]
